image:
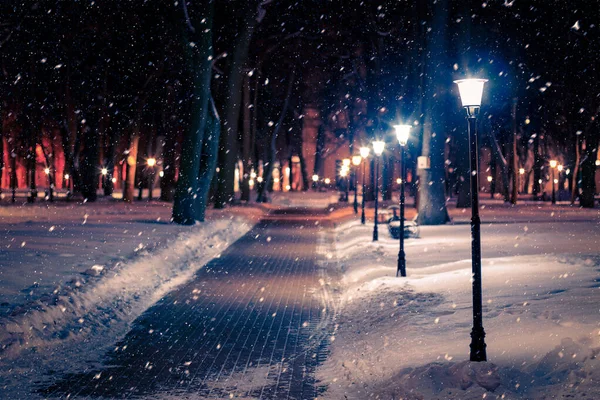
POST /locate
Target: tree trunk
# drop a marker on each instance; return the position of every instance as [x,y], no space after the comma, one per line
[247,143]
[229,133]
[538,163]
[268,171]
[134,141]
[208,161]
[515,160]
[319,151]
[588,170]
[575,172]
[184,207]
[432,201]
[89,166]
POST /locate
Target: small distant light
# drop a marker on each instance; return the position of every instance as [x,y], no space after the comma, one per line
[521,171]
[288,187]
[555,180]
[104,171]
[343,172]
[346,162]
[67,177]
[560,168]
[489,179]
[539,181]
[114,180]
[276,180]
[47,171]
[251,182]
[527,121]
[315,178]
[253,175]
[151,162]
[327,181]
[399,181]
[597,163]
[356,160]
[161,174]
[568,171]
[259,179]
[553,163]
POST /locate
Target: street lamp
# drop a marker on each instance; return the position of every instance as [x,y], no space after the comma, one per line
[521,173]
[151,162]
[364,153]
[471,91]
[315,179]
[378,146]
[402,133]
[346,166]
[50,185]
[356,162]
[490,180]
[553,166]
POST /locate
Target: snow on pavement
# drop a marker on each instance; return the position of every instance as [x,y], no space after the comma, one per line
[409,337]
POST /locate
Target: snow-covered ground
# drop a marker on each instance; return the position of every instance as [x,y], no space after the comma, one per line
[97,267]
[408,338]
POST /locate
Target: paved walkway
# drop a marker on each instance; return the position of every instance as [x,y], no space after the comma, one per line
[252,324]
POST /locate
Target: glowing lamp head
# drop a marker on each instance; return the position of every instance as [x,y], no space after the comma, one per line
[402,133]
[597,163]
[47,171]
[327,181]
[378,147]
[315,178]
[114,180]
[399,181]
[560,167]
[553,163]
[161,174]
[471,91]
[151,162]
[521,171]
[489,179]
[364,152]
[259,179]
[343,172]
[356,160]
[104,171]
[346,162]
[66,177]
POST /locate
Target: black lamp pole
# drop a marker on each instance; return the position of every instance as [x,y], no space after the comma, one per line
[401,255]
[478,346]
[375,233]
[355,170]
[362,217]
[553,190]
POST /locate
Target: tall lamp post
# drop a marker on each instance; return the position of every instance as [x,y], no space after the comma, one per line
[378,147]
[521,183]
[553,166]
[402,133]
[346,167]
[151,164]
[356,162]
[364,153]
[471,91]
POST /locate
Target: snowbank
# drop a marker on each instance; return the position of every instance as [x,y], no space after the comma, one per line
[408,338]
[109,297]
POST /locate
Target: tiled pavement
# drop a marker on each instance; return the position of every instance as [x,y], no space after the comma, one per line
[251,324]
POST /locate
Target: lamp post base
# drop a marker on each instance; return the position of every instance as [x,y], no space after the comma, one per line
[478,346]
[401,263]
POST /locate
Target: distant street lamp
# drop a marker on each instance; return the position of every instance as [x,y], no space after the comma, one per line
[402,133]
[378,147]
[471,91]
[151,164]
[327,181]
[356,162]
[490,180]
[553,165]
[315,179]
[364,153]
